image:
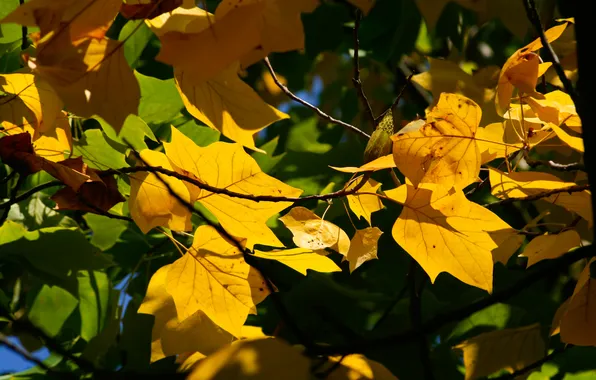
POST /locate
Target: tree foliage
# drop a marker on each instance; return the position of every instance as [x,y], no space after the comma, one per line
[274,189]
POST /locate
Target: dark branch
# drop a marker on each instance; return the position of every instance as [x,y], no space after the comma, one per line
[554,165]
[29,193]
[535,197]
[536,364]
[24,41]
[416,319]
[12,200]
[356,79]
[317,110]
[23,353]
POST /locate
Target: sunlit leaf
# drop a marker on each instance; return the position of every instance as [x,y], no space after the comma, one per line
[364,205]
[301,259]
[385,162]
[363,247]
[550,246]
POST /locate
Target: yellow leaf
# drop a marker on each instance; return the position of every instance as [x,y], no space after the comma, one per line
[151,204]
[491,142]
[281,29]
[508,242]
[90,75]
[431,9]
[312,232]
[557,108]
[81,16]
[364,205]
[578,323]
[509,349]
[445,232]
[228,166]
[556,324]
[522,184]
[255,359]
[358,367]
[444,150]
[385,162]
[364,5]
[521,70]
[29,101]
[171,336]
[213,277]
[201,45]
[551,246]
[301,259]
[363,247]
[53,143]
[576,143]
[227,104]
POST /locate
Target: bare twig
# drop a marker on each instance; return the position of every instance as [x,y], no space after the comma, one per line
[317,110]
[356,79]
[23,353]
[257,198]
[555,165]
[534,18]
[534,197]
[397,99]
[13,198]
[29,193]
[8,177]
[416,320]
[24,41]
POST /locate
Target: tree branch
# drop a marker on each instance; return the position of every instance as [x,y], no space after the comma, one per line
[29,193]
[24,354]
[13,198]
[536,364]
[317,110]
[356,79]
[416,319]
[554,165]
[534,197]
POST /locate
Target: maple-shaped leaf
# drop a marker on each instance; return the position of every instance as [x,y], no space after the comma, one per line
[17,152]
[151,203]
[281,28]
[510,349]
[227,104]
[83,17]
[214,278]
[301,259]
[550,246]
[445,232]
[85,74]
[522,184]
[384,162]
[258,359]
[577,315]
[228,166]
[312,232]
[171,336]
[364,205]
[444,150]
[363,247]
[521,70]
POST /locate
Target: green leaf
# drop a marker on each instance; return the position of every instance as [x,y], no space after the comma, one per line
[160,100]
[99,151]
[9,32]
[94,295]
[51,308]
[199,134]
[133,131]
[305,136]
[136,35]
[106,231]
[268,161]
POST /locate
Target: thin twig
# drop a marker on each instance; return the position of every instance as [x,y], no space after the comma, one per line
[24,41]
[356,79]
[29,193]
[13,198]
[257,198]
[416,320]
[317,110]
[555,165]
[397,99]
[534,197]
[8,177]
[23,353]
[534,365]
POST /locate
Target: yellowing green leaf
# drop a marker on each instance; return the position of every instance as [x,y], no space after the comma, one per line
[576,143]
[445,232]
[213,277]
[225,103]
[301,259]
[522,184]
[228,166]
[578,323]
[385,162]
[363,247]
[364,205]
[171,336]
[358,367]
[443,150]
[551,246]
[151,204]
[255,359]
[312,232]
[509,349]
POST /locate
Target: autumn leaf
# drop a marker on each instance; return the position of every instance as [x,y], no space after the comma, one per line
[85,73]
[557,107]
[312,232]
[214,278]
[363,247]
[443,150]
[228,166]
[364,205]
[522,184]
[510,349]
[139,9]
[170,335]
[227,104]
[151,203]
[508,242]
[301,259]
[385,162]
[579,313]
[577,143]
[445,232]
[359,367]
[550,246]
